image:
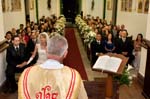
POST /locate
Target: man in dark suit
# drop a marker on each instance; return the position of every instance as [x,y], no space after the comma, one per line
[20,29]
[15,57]
[124,46]
[97,48]
[31,46]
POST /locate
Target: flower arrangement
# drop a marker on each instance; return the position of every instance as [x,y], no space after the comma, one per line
[85,31]
[89,37]
[126,77]
[60,25]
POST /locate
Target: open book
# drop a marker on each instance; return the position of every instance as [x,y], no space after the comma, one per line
[108,63]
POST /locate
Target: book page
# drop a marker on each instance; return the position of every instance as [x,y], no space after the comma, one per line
[101,62]
[113,64]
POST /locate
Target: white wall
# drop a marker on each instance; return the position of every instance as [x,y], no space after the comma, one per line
[143,61]
[33,12]
[55,8]
[13,19]
[2,33]
[98,8]
[33,15]
[135,22]
[148,27]
[108,15]
[2,54]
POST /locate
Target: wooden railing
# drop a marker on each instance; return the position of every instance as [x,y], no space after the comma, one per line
[3,45]
[146,87]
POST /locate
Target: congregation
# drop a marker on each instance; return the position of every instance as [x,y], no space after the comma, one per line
[33,39]
[113,39]
[29,42]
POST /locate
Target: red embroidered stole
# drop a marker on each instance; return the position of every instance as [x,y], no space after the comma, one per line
[74,82]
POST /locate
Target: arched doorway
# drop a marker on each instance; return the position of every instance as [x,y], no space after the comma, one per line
[70,8]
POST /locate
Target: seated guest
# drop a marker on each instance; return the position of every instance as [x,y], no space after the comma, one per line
[105,32]
[25,36]
[13,31]
[15,58]
[52,79]
[122,27]
[109,44]
[32,25]
[119,35]
[27,25]
[21,38]
[36,28]
[97,48]
[114,31]
[8,37]
[31,46]
[117,39]
[137,51]
[28,31]
[124,46]
[21,28]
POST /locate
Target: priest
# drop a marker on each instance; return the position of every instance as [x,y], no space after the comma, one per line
[51,79]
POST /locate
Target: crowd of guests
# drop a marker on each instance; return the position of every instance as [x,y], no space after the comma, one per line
[113,39]
[32,48]
[27,46]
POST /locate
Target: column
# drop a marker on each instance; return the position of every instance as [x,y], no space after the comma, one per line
[83,7]
[27,10]
[58,8]
[114,11]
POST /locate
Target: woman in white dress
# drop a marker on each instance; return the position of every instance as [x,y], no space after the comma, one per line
[137,51]
[41,48]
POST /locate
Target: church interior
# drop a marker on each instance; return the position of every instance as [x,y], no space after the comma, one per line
[93,29]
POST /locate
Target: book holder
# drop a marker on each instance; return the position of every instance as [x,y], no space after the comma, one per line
[109,80]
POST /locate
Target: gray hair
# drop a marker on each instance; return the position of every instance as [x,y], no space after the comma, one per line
[57,45]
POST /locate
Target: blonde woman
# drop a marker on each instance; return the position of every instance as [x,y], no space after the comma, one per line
[40,48]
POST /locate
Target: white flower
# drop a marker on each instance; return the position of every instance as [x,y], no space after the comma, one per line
[129,67]
[92,34]
[85,30]
[130,77]
[60,25]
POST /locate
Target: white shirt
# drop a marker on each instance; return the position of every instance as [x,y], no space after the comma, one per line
[16,47]
[51,64]
[98,41]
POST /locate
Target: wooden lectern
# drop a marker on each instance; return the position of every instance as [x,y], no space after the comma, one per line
[109,80]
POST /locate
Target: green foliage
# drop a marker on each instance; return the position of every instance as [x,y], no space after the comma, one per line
[125,78]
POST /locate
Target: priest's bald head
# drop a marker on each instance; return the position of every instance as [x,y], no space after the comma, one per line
[57,48]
